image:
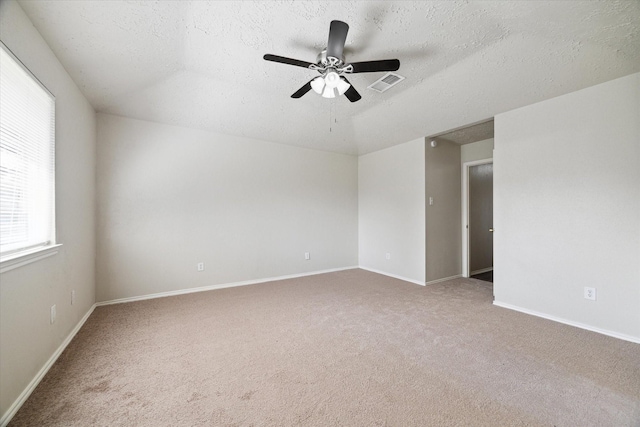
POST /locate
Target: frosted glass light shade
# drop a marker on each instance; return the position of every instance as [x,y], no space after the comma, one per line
[329,92]
[332,79]
[317,85]
[342,87]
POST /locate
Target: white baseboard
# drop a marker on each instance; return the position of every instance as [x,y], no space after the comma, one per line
[220,286]
[482,270]
[6,417]
[569,322]
[444,279]
[395,276]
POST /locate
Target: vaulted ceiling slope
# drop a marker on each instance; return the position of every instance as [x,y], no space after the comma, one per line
[199,63]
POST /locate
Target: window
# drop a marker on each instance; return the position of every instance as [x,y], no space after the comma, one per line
[27,176]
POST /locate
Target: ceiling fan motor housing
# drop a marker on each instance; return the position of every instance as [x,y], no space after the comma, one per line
[329,61]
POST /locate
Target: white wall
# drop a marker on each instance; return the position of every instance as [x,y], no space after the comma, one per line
[479,150]
[170,197]
[391,210]
[443,233]
[27,340]
[567,207]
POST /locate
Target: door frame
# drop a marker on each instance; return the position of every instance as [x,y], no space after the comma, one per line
[465,211]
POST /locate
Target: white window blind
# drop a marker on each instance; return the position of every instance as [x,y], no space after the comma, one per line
[27,142]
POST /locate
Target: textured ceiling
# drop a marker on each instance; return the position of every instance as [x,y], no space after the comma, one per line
[199,64]
[468,134]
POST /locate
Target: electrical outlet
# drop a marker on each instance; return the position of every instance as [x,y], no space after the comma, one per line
[201,266]
[307,256]
[53,314]
[73,297]
[590,293]
[387,255]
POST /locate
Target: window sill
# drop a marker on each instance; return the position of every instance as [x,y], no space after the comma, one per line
[23,258]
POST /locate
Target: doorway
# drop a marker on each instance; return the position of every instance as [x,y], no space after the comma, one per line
[477,219]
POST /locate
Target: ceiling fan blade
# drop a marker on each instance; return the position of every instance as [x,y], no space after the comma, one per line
[351,93]
[304,89]
[337,36]
[283,60]
[373,66]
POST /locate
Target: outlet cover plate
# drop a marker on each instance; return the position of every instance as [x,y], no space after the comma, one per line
[590,293]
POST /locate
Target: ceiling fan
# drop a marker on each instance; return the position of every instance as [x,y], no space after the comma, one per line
[331,65]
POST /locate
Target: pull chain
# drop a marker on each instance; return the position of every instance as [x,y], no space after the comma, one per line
[332,114]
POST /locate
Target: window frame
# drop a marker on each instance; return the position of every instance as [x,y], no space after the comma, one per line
[22,256]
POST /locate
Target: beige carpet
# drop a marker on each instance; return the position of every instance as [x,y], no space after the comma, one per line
[351,348]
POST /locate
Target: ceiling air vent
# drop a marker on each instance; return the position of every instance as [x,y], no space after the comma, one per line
[386,82]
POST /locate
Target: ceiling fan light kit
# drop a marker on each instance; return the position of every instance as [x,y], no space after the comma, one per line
[328,85]
[331,65]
